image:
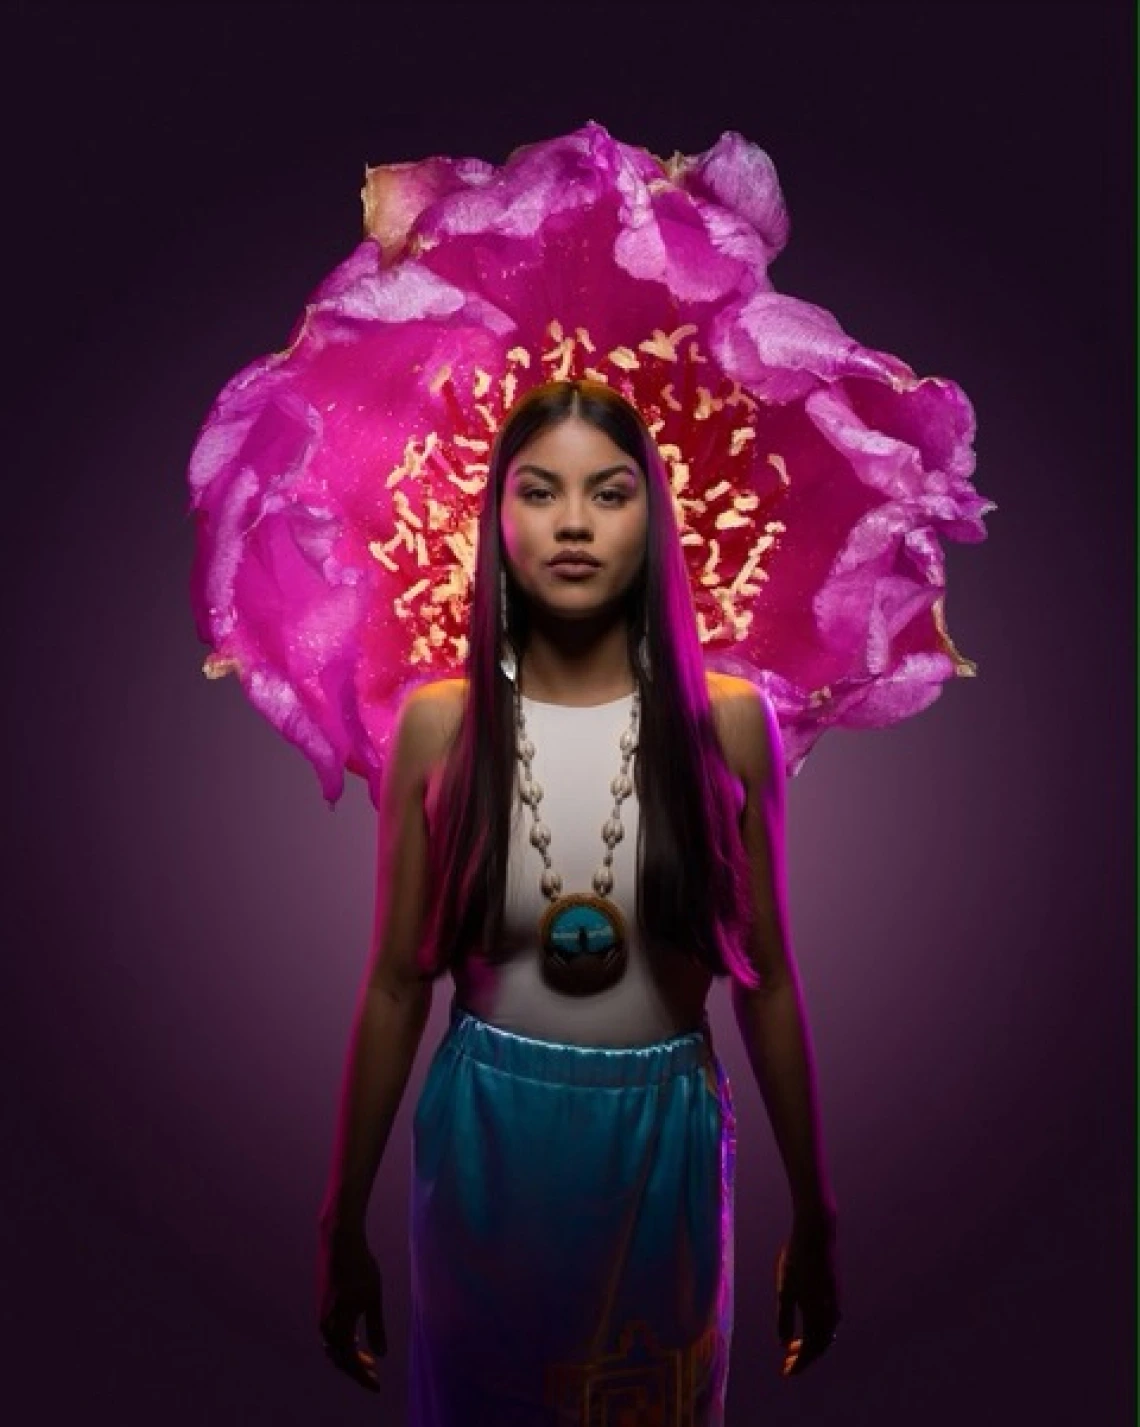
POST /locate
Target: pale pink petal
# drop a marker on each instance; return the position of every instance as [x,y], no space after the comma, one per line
[739,181]
[394,195]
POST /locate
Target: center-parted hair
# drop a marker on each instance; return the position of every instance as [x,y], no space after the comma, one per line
[692,893]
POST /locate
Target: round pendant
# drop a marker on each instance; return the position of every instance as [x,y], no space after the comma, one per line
[583,943]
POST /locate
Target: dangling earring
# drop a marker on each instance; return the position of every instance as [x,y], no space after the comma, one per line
[643,653]
[508,662]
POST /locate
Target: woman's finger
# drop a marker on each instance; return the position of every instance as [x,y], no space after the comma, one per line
[786,1316]
[355,1365]
[802,1352]
[785,1300]
[349,1359]
[374,1327]
[338,1336]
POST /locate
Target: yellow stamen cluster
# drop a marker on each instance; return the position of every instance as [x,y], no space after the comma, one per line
[698,422]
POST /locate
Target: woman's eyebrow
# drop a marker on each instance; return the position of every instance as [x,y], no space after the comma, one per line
[590,480]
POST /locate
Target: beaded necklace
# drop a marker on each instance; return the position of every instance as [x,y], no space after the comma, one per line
[582,934]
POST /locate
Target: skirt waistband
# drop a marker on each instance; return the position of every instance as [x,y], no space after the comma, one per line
[577,1064]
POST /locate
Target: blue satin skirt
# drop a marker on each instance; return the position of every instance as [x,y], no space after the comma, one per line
[571,1233]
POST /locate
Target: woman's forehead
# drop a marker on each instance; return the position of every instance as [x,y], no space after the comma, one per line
[570,446]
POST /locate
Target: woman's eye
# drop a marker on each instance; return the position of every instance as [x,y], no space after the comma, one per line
[619,497]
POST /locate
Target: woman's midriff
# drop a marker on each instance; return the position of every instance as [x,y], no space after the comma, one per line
[657,998]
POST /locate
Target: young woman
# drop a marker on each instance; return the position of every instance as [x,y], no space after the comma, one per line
[584,832]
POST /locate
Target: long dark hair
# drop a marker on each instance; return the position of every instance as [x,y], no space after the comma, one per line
[692,892]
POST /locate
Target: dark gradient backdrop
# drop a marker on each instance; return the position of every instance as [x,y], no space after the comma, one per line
[191,920]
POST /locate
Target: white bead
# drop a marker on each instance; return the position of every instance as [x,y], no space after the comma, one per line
[530,790]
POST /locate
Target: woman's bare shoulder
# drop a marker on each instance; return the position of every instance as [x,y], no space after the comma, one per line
[436,709]
[728,686]
[734,701]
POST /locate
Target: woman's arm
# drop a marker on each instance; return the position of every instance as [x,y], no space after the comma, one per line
[772,1018]
[393,1007]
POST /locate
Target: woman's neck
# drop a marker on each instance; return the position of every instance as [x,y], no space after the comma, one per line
[576,670]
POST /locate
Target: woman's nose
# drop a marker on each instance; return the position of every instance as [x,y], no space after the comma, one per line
[573,515]
[573,529]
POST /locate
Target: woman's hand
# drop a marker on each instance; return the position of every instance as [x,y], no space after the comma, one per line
[805,1277]
[349,1287]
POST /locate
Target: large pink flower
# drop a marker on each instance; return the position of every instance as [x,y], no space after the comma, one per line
[336,484]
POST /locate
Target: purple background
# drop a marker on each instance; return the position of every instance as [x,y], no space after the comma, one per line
[191,921]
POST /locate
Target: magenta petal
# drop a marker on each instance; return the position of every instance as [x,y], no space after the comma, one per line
[363,292]
[679,243]
[538,183]
[911,686]
[781,348]
[740,181]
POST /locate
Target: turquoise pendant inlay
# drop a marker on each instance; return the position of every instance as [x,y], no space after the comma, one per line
[581,930]
[584,943]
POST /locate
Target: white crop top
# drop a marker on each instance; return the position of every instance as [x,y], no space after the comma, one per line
[577,756]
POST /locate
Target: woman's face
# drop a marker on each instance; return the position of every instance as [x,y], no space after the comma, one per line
[570,490]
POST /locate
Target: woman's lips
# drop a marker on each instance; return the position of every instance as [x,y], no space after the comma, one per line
[574,569]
